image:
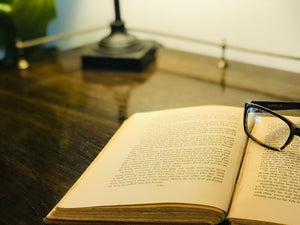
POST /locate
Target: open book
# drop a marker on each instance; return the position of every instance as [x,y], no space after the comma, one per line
[188,165]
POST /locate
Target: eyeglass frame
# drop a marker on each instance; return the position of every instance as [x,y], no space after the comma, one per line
[269,107]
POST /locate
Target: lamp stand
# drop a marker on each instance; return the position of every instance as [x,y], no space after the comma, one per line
[119,50]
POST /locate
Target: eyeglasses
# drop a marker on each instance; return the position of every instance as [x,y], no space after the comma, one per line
[267,127]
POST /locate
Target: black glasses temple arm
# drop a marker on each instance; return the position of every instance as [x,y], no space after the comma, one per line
[278,105]
[297,131]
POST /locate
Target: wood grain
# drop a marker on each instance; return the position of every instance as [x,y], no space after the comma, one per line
[55,118]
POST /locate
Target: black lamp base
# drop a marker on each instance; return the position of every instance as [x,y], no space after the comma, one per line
[119,50]
[135,58]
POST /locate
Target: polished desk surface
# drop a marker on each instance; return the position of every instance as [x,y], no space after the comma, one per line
[55,118]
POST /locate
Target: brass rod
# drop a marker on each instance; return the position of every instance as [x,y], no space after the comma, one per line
[218,44]
[42,40]
[202,41]
[262,52]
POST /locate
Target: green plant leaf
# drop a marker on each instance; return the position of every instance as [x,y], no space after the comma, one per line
[31,17]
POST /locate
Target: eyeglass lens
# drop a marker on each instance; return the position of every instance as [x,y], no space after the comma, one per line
[267,128]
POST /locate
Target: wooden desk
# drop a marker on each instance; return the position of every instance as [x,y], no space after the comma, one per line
[55,118]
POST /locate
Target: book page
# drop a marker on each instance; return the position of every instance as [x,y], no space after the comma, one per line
[268,188]
[190,155]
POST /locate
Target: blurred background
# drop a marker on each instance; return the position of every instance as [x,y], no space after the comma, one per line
[264,25]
